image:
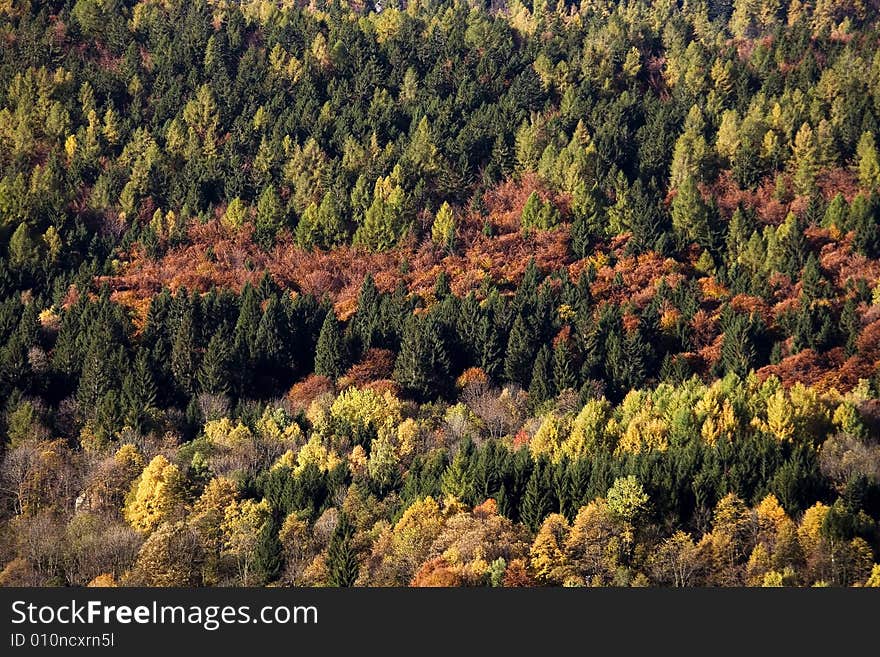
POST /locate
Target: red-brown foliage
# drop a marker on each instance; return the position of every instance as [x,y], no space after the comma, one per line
[381,386]
[216,256]
[486,509]
[436,573]
[806,366]
[303,393]
[376,364]
[472,376]
[521,439]
[517,575]
[770,210]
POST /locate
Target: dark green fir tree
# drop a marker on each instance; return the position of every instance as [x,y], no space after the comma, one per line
[330,355]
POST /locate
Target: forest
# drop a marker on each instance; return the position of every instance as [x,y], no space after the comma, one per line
[440,293]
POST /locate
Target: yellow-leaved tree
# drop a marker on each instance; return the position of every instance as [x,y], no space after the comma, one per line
[206,519]
[156,496]
[547,556]
[243,523]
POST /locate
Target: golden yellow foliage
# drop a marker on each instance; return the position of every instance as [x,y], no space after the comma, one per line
[105,580]
[874,579]
[275,426]
[588,429]
[770,514]
[549,438]
[156,496]
[316,453]
[644,432]
[810,529]
[547,555]
[225,433]
[209,512]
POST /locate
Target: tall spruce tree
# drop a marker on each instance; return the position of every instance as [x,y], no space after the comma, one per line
[139,392]
[342,565]
[738,354]
[184,359]
[518,361]
[214,374]
[422,366]
[269,554]
[366,324]
[536,502]
[490,348]
[564,376]
[330,355]
[541,386]
[850,326]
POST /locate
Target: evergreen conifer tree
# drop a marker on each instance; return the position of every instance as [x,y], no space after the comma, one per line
[342,564]
[564,376]
[139,392]
[850,326]
[536,502]
[214,373]
[541,386]
[520,352]
[490,348]
[422,366]
[330,354]
[269,554]
[184,363]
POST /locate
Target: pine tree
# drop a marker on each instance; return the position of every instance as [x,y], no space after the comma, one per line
[536,502]
[541,386]
[456,479]
[490,348]
[366,322]
[98,373]
[184,365]
[269,554]
[267,287]
[22,249]
[244,337]
[330,355]
[320,226]
[587,209]
[564,376]
[214,373]
[836,213]
[502,500]
[869,166]
[738,353]
[383,223]
[271,338]
[520,352]
[864,220]
[422,366]
[341,560]
[813,284]
[548,217]
[690,215]
[531,211]
[795,246]
[270,216]
[850,326]
[139,392]
[804,160]
[563,488]
[539,214]
[637,353]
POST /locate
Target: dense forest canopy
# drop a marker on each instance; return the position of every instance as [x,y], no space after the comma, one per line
[447,293]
